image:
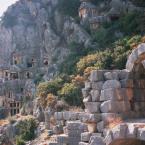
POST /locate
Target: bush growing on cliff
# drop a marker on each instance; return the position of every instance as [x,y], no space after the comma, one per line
[19,141]
[69,7]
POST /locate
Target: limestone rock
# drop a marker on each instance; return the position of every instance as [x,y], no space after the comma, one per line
[100,126]
[95,94]
[97,75]
[131,131]
[85,137]
[97,85]
[94,140]
[119,131]
[111,75]
[141,134]
[92,107]
[111,84]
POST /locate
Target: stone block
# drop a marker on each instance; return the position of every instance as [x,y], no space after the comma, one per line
[67,115]
[139,95]
[111,75]
[111,84]
[85,137]
[87,85]
[116,94]
[127,83]
[97,75]
[119,131]
[95,140]
[92,127]
[52,143]
[100,126]
[85,92]
[95,94]
[141,134]
[58,129]
[87,99]
[123,74]
[97,85]
[92,107]
[62,139]
[115,106]
[131,131]
[58,115]
[89,118]
[108,138]
[107,117]
[83,143]
[139,106]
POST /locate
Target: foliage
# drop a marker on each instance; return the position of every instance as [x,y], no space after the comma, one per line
[76,52]
[27,129]
[102,36]
[51,100]
[140,3]
[44,88]
[71,93]
[130,23]
[19,141]
[69,7]
[109,58]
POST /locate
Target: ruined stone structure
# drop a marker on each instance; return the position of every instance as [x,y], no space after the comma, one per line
[93,15]
[114,105]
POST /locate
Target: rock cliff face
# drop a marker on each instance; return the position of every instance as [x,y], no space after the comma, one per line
[36,28]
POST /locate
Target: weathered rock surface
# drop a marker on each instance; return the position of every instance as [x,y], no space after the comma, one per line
[37,29]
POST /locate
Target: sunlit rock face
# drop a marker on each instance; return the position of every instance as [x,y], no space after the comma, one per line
[36,29]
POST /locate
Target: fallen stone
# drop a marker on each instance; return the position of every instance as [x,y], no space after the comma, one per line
[94,140]
[131,131]
[108,138]
[120,131]
[85,137]
[141,134]
[62,139]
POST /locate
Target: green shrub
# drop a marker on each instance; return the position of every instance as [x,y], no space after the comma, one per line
[27,129]
[19,141]
[71,93]
[69,7]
